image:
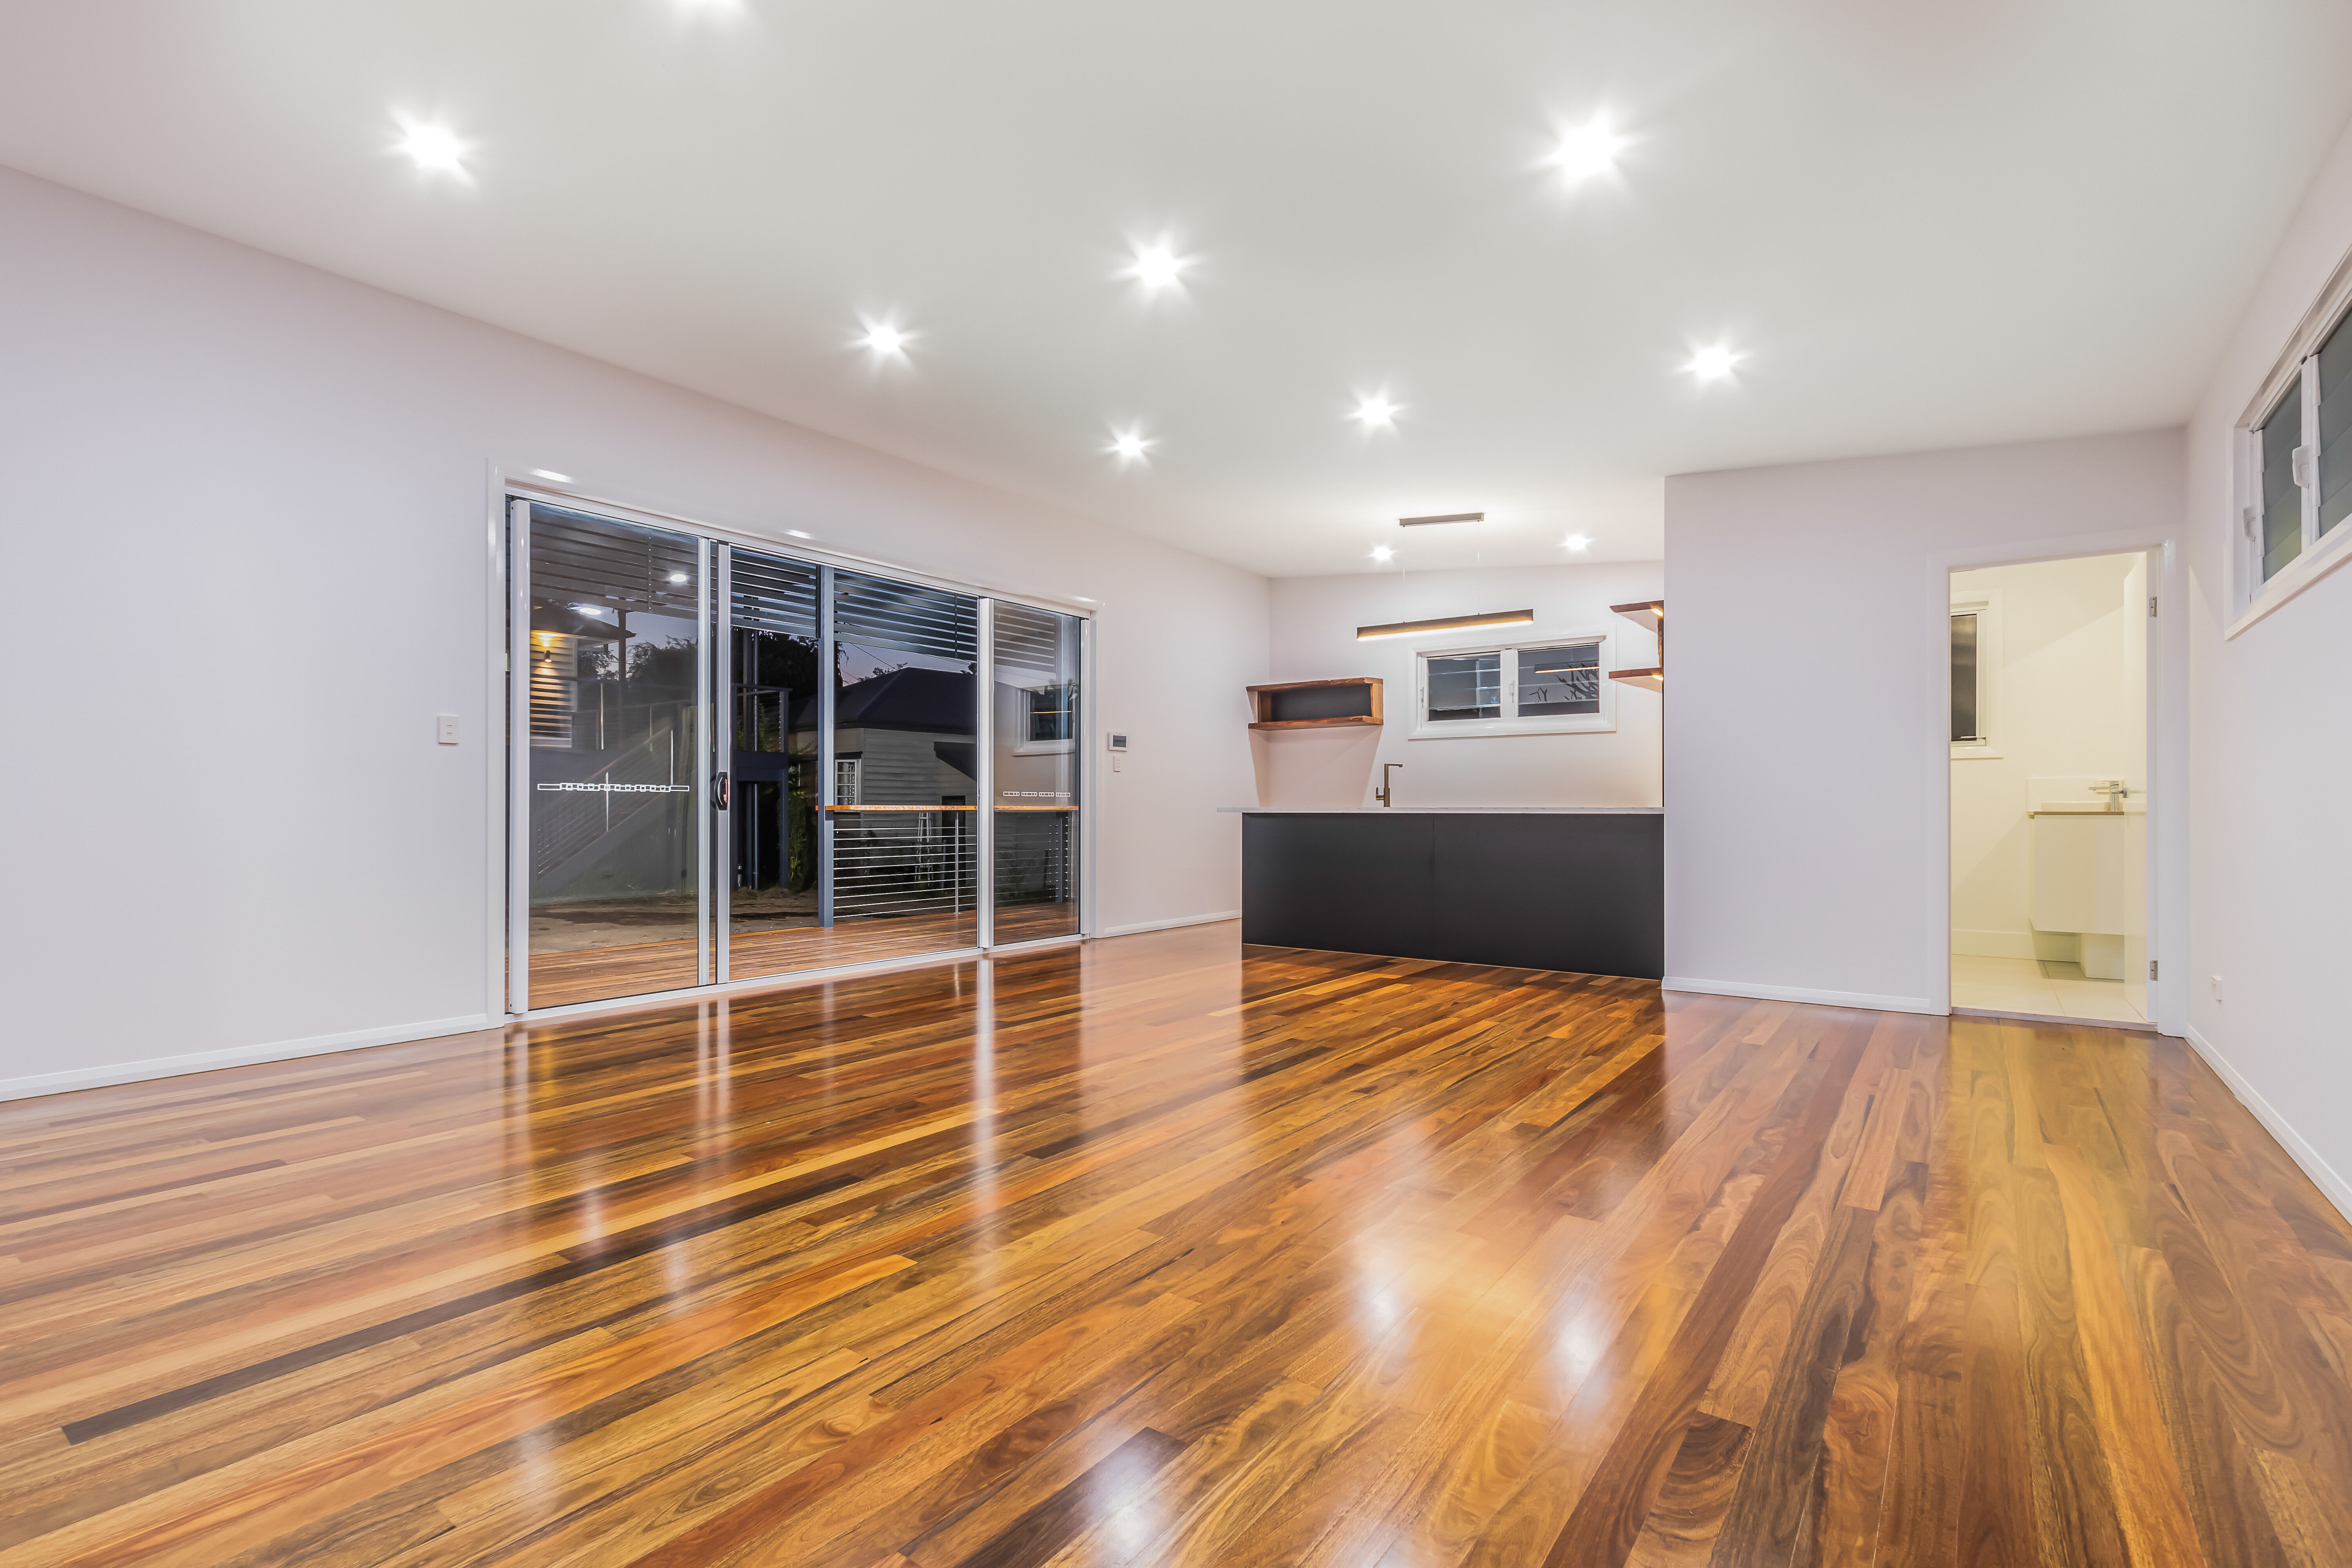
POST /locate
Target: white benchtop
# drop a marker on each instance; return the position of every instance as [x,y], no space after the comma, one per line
[1446,810]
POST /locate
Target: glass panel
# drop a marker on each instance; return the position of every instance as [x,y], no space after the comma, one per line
[1466,688]
[906,723]
[1036,816]
[2281,499]
[2336,426]
[614,857]
[1560,680]
[774,925]
[1964,679]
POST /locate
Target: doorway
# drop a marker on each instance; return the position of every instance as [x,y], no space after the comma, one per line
[2049,790]
[730,763]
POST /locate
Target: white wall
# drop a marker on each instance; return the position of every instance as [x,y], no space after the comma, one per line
[1314,638]
[2273,709]
[1807,744]
[2063,712]
[247,509]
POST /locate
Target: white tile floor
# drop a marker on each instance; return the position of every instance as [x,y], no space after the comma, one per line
[2020,986]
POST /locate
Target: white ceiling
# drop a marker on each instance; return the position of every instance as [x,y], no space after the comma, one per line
[1925,224]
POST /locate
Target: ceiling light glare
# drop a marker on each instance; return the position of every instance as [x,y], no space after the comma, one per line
[432,147]
[551,474]
[1383,552]
[1587,151]
[590,609]
[1129,446]
[1376,412]
[677,577]
[1576,542]
[796,533]
[887,338]
[1157,268]
[1713,362]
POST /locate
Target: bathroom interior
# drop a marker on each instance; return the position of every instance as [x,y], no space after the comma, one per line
[2048,799]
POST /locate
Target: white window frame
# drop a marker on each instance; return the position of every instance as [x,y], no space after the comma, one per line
[1985,604]
[1021,745]
[852,770]
[2251,598]
[1425,729]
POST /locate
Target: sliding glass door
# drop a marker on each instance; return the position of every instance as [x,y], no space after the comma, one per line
[729,764]
[1034,797]
[901,854]
[771,920]
[610,626]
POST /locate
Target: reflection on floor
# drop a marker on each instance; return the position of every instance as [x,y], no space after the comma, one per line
[561,979]
[1168,1253]
[2047,990]
[575,925]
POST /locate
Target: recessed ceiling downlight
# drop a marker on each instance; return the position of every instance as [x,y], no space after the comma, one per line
[552,476]
[1129,446]
[1376,412]
[1586,151]
[885,339]
[432,146]
[1157,268]
[1714,362]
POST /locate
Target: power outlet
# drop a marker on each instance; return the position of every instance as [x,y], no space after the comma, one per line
[2217,988]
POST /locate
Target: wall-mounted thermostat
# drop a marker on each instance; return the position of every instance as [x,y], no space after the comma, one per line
[1115,741]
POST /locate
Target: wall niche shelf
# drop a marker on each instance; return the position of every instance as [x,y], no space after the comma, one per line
[1317,704]
[1650,614]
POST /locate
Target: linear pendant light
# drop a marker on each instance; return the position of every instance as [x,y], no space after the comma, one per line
[1448,624]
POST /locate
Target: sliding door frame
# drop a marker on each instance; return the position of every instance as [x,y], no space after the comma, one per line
[509,890]
[517,812]
[721,891]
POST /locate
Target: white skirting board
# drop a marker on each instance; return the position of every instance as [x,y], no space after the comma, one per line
[236,1057]
[2322,1175]
[1138,929]
[1798,993]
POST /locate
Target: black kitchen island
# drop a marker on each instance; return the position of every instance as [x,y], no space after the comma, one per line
[1572,888]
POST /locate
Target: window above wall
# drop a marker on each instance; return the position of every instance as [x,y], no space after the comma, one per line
[1553,687]
[2294,463]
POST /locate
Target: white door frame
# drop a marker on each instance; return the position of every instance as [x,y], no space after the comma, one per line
[2167,750]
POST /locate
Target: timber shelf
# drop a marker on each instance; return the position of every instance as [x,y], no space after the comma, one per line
[1317,704]
[1650,614]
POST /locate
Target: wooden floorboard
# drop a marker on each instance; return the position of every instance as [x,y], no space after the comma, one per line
[1163,1251]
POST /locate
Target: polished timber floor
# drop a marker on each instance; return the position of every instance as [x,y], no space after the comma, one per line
[1164,1250]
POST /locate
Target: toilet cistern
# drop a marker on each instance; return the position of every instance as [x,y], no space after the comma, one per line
[1386,794]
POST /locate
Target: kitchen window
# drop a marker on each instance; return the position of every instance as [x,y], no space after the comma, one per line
[1535,688]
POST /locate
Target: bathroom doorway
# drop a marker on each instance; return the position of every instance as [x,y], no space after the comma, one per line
[2049,790]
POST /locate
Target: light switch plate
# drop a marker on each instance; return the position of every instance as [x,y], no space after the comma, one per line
[445,729]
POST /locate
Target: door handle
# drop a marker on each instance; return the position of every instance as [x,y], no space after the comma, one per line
[720,785]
